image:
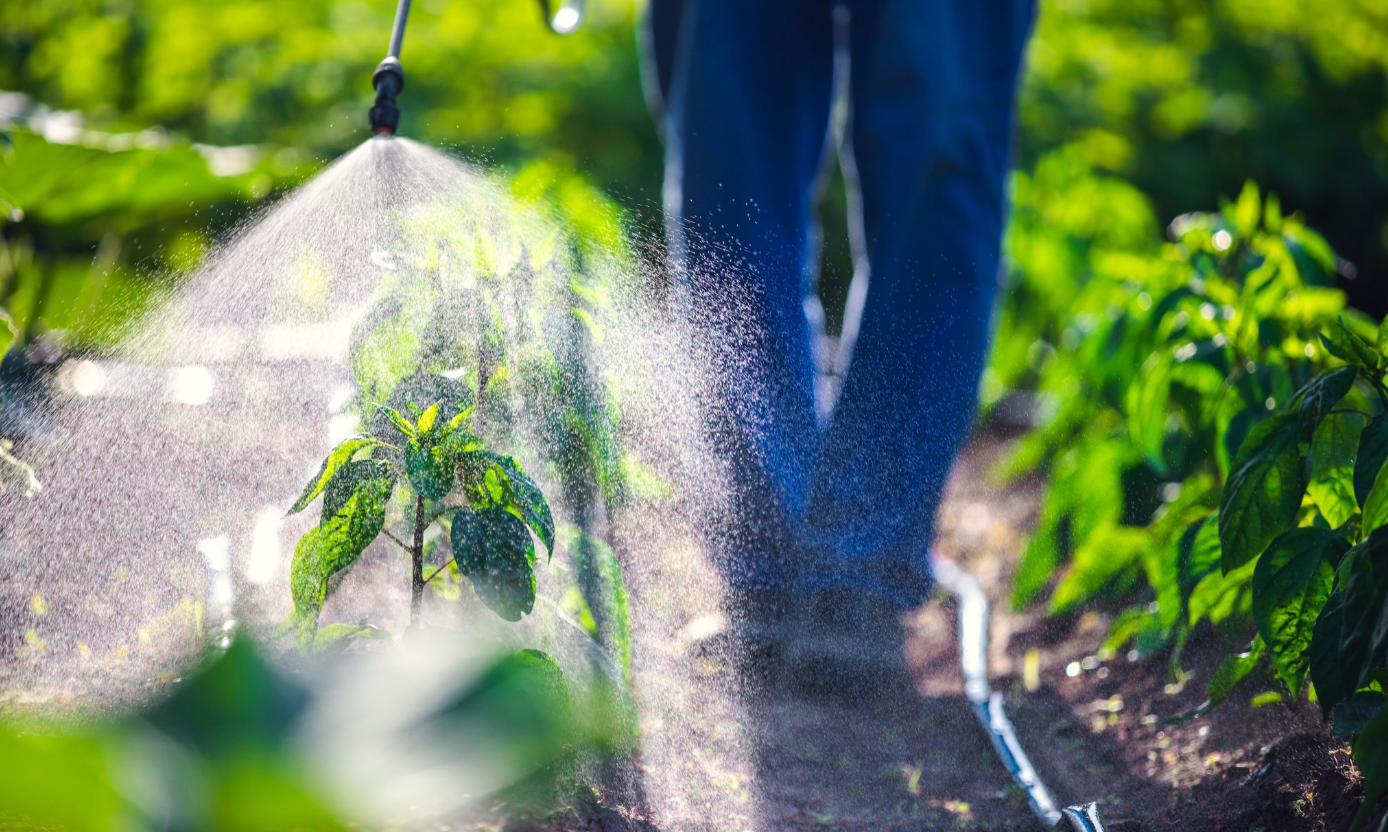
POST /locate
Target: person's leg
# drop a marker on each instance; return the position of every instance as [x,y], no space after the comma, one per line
[746,119]
[933,88]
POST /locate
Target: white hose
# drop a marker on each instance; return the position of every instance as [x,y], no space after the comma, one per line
[988,703]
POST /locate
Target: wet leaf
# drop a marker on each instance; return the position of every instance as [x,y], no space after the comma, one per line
[480,467]
[429,469]
[336,458]
[1291,583]
[331,547]
[494,549]
[347,479]
[1264,492]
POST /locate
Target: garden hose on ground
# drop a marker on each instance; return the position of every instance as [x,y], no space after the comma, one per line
[988,704]
[389,78]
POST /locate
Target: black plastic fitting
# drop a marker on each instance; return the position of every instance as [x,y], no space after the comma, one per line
[388,80]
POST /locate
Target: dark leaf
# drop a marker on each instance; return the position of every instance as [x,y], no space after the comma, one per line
[1371,755]
[1324,656]
[1372,456]
[1362,634]
[1291,583]
[493,547]
[1325,391]
[1264,492]
[507,484]
[1355,713]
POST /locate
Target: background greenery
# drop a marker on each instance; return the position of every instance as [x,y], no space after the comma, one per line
[1184,99]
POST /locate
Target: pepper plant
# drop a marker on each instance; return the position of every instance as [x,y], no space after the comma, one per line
[1213,429]
[424,454]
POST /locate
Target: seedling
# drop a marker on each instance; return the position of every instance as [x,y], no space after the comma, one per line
[423,453]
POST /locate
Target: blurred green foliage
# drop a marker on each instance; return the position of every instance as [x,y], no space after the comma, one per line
[1183,99]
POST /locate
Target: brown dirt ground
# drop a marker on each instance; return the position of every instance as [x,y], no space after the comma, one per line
[922,762]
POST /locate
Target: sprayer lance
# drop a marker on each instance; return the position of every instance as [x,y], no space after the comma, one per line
[389,78]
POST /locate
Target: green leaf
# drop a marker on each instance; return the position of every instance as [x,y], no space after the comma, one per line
[1365,628]
[335,637]
[425,423]
[1101,558]
[1197,554]
[429,469]
[1333,448]
[1323,392]
[1323,657]
[1372,456]
[336,458]
[1147,405]
[1227,677]
[8,334]
[1264,492]
[491,471]
[399,422]
[1347,346]
[1376,503]
[1291,583]
[604,593]
[1371,756]
[332,547]
[493,547]
[422,390]
[348,479]
[1355,713]
[16,476]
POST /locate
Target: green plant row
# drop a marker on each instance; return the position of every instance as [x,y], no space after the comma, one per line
[1215,436]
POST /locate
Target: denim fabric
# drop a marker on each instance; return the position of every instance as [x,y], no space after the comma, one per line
[744,90]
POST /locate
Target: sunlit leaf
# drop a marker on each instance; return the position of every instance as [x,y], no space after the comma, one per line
[336,458]
[1264,491]
[331,547]
[1333,449]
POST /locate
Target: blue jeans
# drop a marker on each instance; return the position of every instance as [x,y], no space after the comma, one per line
[745,94]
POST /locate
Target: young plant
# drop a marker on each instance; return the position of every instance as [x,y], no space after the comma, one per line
[423,453]
[1306,506]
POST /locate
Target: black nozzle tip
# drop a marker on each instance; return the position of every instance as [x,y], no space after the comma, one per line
[388,80]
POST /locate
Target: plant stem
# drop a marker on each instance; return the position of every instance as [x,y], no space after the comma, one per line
[417,564]
[435,573]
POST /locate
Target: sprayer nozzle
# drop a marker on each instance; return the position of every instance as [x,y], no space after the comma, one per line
[389,80]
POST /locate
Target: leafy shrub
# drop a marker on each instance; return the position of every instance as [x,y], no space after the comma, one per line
[488,503]
[1215,429]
